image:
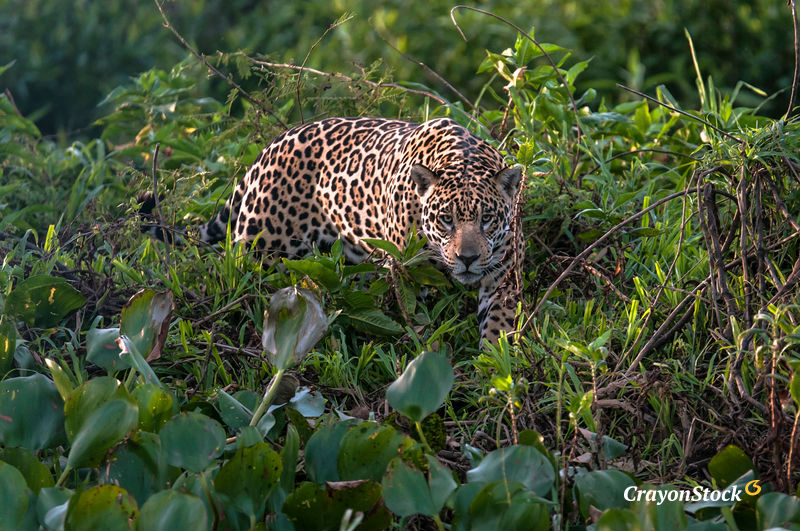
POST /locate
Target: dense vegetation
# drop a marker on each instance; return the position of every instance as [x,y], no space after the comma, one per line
[658,337]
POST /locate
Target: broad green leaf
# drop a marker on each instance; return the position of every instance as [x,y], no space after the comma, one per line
[423,386]
[440,481]
[43,301]
[619,520]
[130,353]
[145,320]
[15,496]
[103,351]
[192,440]
[103,507]
[31,413]
[657,515]
[309,404]
[249,477]
[60,378]
[373,321]
[234,414]
[387,246]
[8,345]
[522,463]
[51,506]
[155,406]
[405,490]
[169,509]
[322,450]
[105,427]
[508,505]
[428,275]
[138,465]
[317,271]
[36,474]
[289,456]
[778,510]
[729,465]
[604,489]
[87,398]
[366,450]
[293,325]
[313,506]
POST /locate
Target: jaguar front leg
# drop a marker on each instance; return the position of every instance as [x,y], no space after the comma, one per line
[497,306]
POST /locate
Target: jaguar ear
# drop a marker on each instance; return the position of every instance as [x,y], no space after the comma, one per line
[423,178]
[508,180]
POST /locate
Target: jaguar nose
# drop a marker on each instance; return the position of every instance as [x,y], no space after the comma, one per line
[467,259]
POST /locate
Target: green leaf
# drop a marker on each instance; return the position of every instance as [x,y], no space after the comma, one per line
[405,490]
[508,505]
[155,406]
[523,463]
[777,510]
[604,489]
[86,399]
[8,345]
[170,509]
[729,465]
[428,275]
[441,482]
[322,450]
[373,321]
[131,354]
[387,246]
[60,378]
[138,465]
[794,388]
[104,428]
[313,506]
[145,321]
[619,520]
[422,387]
[43,301]
[293,325]
[366,450]
[249,477]
[51,506]
[31,413]
[234,414]
[104,507]
[15,496]
[103,351]
[36,474]
[192,440]
[317,271]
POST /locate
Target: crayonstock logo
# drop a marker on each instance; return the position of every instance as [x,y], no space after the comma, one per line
[732,494]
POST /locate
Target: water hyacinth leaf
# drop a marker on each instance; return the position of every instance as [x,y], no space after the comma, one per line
[373,321]
[105,427]
[603,489]
[508,505]
[170,509]
[103,507]
[234,414]
[314,506]
[316,271]
[130,353]
[103,351]
[249,477]
[618,520]
[15,494]
[423,386]
[778,510]
[310,404]
[441,482]
[51,506]
[293,325]
[666,515]
[155,407]
[145,320]
[43,301]
[63,382]
[192,440]
[36,474]
[322,450]
[405,490]
[31,413]
[8,344]
[138,466]
[522,463]
[87,398]
[729,465]
[366,449]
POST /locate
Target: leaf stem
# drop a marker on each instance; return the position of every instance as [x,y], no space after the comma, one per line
[63,476]
[422,438]
[269,396]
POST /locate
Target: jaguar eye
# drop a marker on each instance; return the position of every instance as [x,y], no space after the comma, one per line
[446,219]
[486,219]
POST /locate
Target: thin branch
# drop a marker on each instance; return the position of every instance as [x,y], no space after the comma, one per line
[216,72]
[683,113]
[158,204]
[793,97]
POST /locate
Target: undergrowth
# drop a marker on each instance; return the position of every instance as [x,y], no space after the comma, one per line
[657,343]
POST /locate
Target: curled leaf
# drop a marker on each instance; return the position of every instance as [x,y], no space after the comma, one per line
[294,323]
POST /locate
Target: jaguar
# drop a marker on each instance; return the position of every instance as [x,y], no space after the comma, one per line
[358,178]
